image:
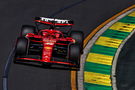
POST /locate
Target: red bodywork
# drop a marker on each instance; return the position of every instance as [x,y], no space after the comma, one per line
[49,38]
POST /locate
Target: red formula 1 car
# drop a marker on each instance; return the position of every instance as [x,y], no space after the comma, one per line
[49,45]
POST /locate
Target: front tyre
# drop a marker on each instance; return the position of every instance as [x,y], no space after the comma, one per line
[22,46]
[74,54]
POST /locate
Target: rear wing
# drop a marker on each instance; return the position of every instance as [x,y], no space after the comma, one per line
[53,21]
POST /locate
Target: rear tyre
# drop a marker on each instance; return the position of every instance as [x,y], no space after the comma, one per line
[74,54]
[22,46]
[79,38]
[28,29]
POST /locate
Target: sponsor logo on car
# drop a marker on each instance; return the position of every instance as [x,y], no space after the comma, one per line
[55,20]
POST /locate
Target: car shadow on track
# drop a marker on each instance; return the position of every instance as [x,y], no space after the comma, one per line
[59,67]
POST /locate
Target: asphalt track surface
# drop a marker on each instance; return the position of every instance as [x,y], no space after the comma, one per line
[14,13]
[125,71]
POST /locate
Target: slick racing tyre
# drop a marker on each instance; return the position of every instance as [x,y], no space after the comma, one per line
[79,37]
[27,29]
[74,54]
[22,46]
